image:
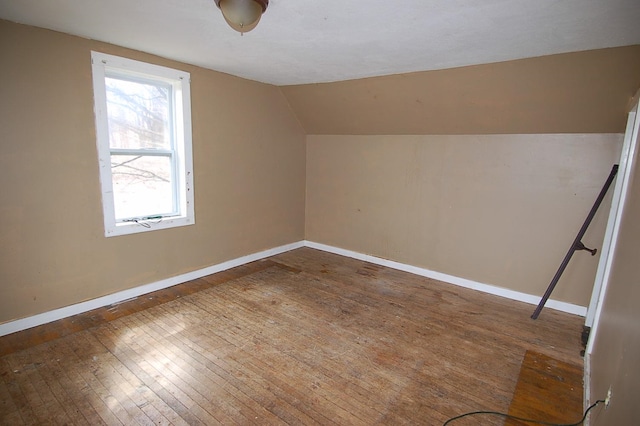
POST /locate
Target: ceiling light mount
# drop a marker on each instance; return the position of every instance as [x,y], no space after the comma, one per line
[242,15]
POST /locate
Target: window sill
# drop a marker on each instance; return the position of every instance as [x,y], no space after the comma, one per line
[127,228]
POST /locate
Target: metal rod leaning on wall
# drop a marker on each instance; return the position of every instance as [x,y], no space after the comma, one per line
[577,243]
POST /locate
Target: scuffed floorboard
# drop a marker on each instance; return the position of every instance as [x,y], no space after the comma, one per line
[305,337]
[548,389]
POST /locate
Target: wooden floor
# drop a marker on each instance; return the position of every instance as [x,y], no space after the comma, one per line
[543,379]
[305,337]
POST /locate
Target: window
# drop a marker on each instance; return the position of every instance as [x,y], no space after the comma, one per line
[143,122]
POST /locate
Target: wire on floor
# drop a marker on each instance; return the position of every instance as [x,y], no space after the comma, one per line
[538,422]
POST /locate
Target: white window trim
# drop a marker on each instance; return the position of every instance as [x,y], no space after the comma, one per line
[180,81]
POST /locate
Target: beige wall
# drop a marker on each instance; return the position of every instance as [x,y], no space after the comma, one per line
[249,161]
[497,209]
[583,92]
[454,204]
[615,360]
[511,158]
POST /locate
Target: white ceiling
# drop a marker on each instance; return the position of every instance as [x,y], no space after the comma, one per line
[311,41]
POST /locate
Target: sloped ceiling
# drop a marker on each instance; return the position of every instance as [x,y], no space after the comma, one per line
[305,41]
[578,92]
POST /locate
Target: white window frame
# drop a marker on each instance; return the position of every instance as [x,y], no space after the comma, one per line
[104,65]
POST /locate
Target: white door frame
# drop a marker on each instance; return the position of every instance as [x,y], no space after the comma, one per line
[626,165]
[617,205]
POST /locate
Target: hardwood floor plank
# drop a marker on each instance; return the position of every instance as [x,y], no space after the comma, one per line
[211,386]
[15,387]
[155,365]
[280,354]
[450,304]
[234,353]
[304,337]
[75,407]
[90,363]
[9,413]
[285,333]
[216,376]
[251,376]
[79,373]
[132,362]
[12,418]
[328,343]
[56,368]
[53,411]
[158,411]
[548,390]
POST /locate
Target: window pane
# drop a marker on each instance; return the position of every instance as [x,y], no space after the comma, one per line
[138,114]
[141,185]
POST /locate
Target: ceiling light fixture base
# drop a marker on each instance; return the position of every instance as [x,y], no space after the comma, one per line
[242,15]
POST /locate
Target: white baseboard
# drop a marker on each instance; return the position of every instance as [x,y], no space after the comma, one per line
[78,308]
[462,282]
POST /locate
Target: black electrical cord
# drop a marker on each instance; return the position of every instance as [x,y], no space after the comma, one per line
[508,416]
